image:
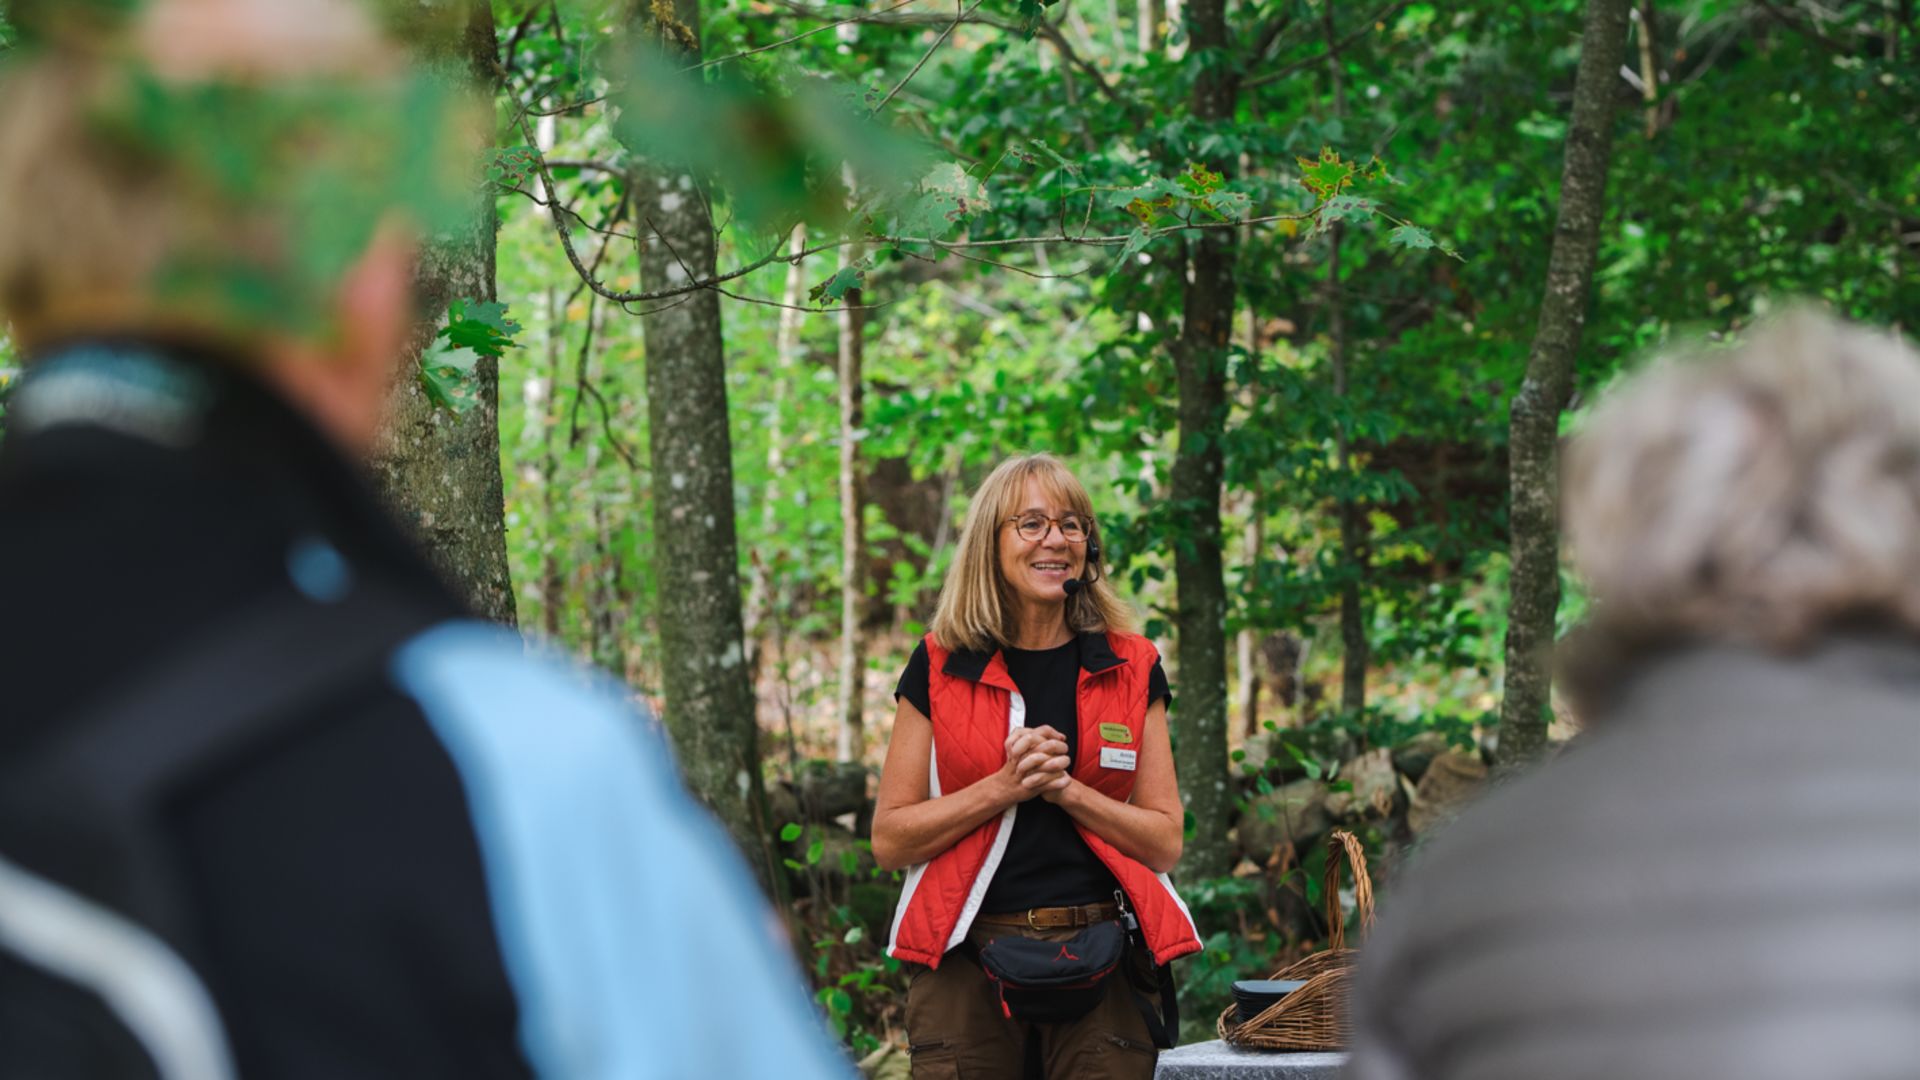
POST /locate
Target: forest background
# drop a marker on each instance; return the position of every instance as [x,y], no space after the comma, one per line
[752,293]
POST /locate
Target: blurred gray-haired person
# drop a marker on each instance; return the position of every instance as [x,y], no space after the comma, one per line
[1723,878]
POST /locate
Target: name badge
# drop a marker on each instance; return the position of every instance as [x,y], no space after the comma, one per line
[1116,733]
[1112,757]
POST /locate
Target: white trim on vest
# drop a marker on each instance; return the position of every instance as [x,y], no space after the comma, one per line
[1167,884]
[143,981]
[917,870]
[1016,718]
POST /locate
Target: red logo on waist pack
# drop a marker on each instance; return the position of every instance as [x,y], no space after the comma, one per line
[1065,955]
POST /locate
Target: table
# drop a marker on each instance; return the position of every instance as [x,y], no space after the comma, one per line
[1218,1061]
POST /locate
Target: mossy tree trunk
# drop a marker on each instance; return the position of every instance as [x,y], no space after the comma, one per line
[704,675]
[1200,356]
[1533,441]
[441,471]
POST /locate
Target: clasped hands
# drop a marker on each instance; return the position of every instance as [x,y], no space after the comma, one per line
[1037,763]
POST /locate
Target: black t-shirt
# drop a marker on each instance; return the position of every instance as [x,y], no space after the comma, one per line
[1046,863]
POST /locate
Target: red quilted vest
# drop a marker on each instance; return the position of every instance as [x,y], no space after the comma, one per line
[975,705]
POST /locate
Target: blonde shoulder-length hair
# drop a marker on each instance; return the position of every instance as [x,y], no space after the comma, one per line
[976,610]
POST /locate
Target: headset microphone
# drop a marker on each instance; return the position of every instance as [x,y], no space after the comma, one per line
[1073,584]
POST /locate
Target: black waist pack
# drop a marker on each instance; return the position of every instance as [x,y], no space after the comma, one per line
[1053,982]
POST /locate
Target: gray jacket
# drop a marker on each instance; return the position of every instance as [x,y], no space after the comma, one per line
[1722,881]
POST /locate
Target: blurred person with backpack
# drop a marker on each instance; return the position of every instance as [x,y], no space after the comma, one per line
[271,802]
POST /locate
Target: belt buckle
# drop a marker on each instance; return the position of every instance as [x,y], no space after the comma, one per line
[1031,925]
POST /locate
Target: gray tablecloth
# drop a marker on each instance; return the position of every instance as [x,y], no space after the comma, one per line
[1217,1061]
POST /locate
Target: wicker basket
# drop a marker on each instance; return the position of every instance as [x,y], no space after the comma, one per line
[1314,1017]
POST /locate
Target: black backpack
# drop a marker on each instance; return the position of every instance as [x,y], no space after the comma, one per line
[99,971]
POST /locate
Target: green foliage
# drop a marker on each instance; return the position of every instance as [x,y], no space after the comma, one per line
[1777,168]
[448,367]
[482,327]
[942,200]
[320,162]
[844,280]
[778,147]
[511,165]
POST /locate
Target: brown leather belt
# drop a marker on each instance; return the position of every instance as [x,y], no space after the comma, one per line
[1055,918]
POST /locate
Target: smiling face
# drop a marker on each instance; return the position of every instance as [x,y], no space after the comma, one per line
[1036,571]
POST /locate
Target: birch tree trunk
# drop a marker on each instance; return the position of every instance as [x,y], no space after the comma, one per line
[1200,356]
[760,592]
[441,471]
[709,701]
[1147,25]
[1533,442]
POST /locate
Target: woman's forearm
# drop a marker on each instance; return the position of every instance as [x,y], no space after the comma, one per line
[1152,836]
[907,835]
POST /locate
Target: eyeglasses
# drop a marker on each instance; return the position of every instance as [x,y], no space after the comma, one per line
[1033,527]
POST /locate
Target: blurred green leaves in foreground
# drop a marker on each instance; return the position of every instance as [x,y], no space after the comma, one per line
[261,186]
[781,149]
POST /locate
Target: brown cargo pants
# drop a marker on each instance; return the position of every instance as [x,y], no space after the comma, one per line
[956,1029]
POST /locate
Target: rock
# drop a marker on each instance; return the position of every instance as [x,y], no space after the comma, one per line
[844,857]
[873,903]
[1375,788]
[1296,814]
[828,789]
[1413,756]
[890,1062]
[1322,744]
[1453,780]
[1267,753]
[863,821]
[783,807]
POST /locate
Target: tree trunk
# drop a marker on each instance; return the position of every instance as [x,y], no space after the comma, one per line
[709,702]
[1649,70]
[1533,441]
[853,538]
[441,471]
[1150,14]
[1247,648]
[760,592]
[552,584]
[1350,515]
[1200,355]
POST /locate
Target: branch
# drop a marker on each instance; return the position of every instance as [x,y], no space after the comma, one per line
[558,216]
[797,37]
[1059,41]
[1812,31]
[1269,34]
[568,107]
[519,30]
[796,307]
[1046,30]
[1333,50]
[556,206]
[924,57]
[590,166]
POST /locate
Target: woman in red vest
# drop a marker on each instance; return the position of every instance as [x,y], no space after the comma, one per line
[1029,792]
